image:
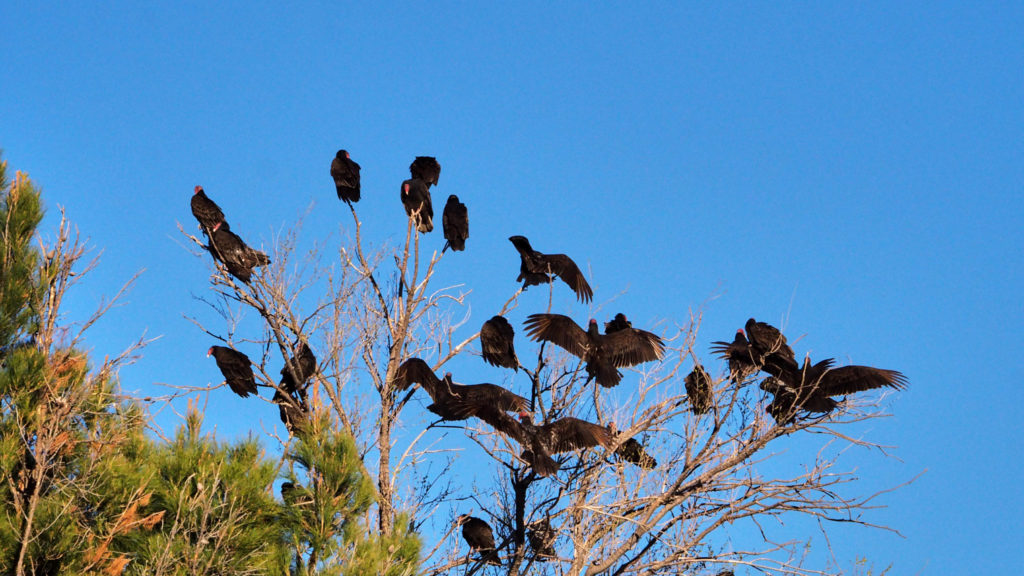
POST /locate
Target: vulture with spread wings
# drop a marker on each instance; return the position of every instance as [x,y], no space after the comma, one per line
[603,353]
[456,401]
[540,442]
[537,268]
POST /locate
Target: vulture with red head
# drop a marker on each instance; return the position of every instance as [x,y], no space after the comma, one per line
[206,211]
[456,401]
[416,199]
[235,254]
[455,223]
[538,268]
[698,390]
[426,168]
[345,173]
[497,343]
[603,353]
[540,442]
[478,534]
[740,357]
[236,368]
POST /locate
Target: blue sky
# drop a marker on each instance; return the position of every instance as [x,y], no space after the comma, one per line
[852,172]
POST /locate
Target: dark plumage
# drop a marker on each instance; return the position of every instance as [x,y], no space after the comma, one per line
[237,257]
[455,223]
[293,415]
[698,390]
[345,172]
[456,401]
[617,324]
[236,368]
[426,168]
[769,347]
[811,387]
[537,268]
[739,355]
[297,371]
[497,343]
[207,212]
[416,199]
[542,540]
[603,353]
[632,451]
[478,534]
[539,442]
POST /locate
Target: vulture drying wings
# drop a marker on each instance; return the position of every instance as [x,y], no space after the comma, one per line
[740,356]
[604,353]
[456,401]
[698,390]
[207,212]
[455,223]
[426,168]
[496,341]
[416,199]
[539,442]
[480,538]
[236,368]
[538,268]
[345,172]
[237,257]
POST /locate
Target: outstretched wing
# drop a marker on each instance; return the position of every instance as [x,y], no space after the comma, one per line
[850,379]
[559,330]
[570,273]
[415,370]
[571,433]
[632,346]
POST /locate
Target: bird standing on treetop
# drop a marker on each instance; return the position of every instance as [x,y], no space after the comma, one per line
[698,390]
[416,199]
[455,223]
[538,268]
[235,254]
[236,368]
[497,339]
[345,173]
[426,168]
[206,211]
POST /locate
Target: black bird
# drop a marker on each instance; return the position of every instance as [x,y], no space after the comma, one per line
[811,387]
[617,324]
[455,223]
[235,254]
[456,401]
[769,347]
[206,211]
[416,199]
[740,357]
[293,414]
[538,268]
[542,540]
[297,371]
[540,442]
[698,390]
[236,368]
[497,343]
[480,537]
[345,172]
[426,168]
[632,451]
[603,353]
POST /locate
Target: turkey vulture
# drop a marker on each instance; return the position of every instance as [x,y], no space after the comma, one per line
[291,411]
[416,199]
[426,168]
[236,256]
[496,342]
[297,371]
[602,352]
[480,538]
[345,172]
[632,451]
[542,540]
[538,268]
[206,211]
[769,347]
[456,401]
[617,324]
[539,442]
[740,356]
[811,387]
[236,368]
[698,390]
[455,223]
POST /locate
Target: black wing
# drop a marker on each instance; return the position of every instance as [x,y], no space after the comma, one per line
[632,346]
[571,433]
[497,339]
[569,272]
[426,168]
[850,379]
[559,330]
[415,370]
[345,173]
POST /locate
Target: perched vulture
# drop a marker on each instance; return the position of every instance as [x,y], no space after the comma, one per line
[698,390]
[770,348]
[542,540]
[811,387]
[455,223]
[206,211]
[297,371]
[617,324]
[496,341]
[293,414]
[236,368]
[538,268]
[480,538]
[540,442]
[739,355]
[632,451]
[456,401]
[603,353]
[345,172]
[426,168]
[416,199]
[236,256]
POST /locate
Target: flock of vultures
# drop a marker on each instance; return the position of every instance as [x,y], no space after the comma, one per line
[760,347]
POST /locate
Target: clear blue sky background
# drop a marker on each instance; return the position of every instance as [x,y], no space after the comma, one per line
[852,172]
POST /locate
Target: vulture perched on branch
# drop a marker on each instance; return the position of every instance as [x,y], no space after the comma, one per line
[542,540]
[297,371]
[456,401]
[603,353]
[497,343]
[480,538]
[698,390]
[293,414]
[235,254]
[236,368]
[455,223]
[345,173]
[540,442]
[811,387]
[206,211]
[632,451]
[762,347]
[416,199]
[739,355]
[538,268]
[426,168]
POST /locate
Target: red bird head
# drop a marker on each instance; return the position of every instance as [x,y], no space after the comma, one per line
[210,351]
[198,189]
